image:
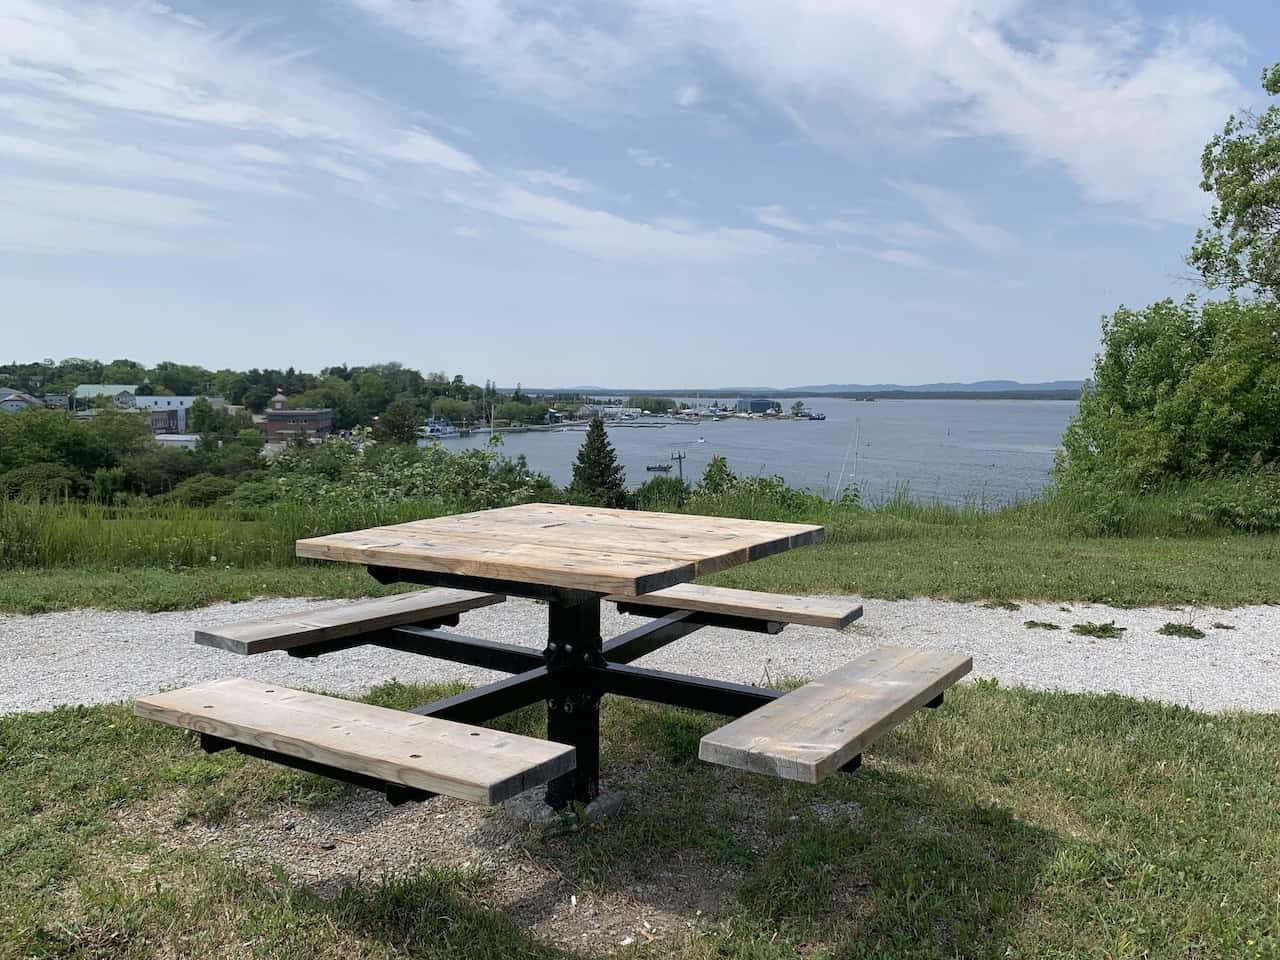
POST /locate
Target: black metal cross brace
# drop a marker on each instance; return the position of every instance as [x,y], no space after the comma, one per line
[571,675]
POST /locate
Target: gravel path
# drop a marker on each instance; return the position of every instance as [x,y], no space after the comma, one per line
[91,656]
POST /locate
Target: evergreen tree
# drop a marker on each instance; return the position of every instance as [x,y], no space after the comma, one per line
[598,478]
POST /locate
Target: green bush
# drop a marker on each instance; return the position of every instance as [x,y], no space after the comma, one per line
[1180,392]
[662,494]
[202,491]
[1250,503]
[43,481]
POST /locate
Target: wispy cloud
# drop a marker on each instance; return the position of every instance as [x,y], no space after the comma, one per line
[1120,104]
[608,236]
[140,94]
[955,215]
[559,179]
[647,158]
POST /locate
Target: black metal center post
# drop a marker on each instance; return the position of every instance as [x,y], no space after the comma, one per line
[573,709]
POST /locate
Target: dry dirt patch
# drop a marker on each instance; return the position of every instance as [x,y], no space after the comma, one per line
[363,840]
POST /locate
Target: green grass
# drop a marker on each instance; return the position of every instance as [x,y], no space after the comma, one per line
[1184,630]
[1007,824]
[54,556]
[1099,631]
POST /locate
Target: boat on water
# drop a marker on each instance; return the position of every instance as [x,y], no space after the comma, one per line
[659,468]
[814,415]
[436,430]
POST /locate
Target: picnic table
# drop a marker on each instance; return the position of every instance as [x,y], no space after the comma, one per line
[572,559]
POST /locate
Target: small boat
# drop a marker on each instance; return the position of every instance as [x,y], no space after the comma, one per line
[436,430]
[659,468]
[702,439]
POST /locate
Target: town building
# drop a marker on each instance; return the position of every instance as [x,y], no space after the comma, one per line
[57,401]
[754,405]
[14,401]
[283,424]
[121,394]
[169,414]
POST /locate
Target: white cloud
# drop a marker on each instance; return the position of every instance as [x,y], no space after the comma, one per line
[256,153]
[1122,105]
[100,159]
[339,169]
[954,215]
[777,217]
[647,158]
[418,146]
[141,92]
[608,236]
[904,258]
[559,179]
[690,95]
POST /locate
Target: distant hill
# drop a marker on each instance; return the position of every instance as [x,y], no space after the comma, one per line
[978,386]
[1002,388]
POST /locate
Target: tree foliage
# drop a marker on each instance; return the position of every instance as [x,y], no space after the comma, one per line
[598,478]
[1240,248]
[1181,391]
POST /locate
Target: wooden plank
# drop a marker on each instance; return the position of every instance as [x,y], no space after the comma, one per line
[427,753]
[341,620]
[599,550]
[811,732]
[812,611]
[590,570]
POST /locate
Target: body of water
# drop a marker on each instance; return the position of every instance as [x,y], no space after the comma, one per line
[991,451]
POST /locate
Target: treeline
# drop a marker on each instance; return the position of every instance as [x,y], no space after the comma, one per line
[357,395]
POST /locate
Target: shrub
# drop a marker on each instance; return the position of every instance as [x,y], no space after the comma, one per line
[202,491]
[662,494]
[43,481]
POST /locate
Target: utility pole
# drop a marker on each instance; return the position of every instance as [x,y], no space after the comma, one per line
[679,459]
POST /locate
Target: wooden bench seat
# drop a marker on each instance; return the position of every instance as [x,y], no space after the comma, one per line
[392,746]
[813,731]
[750,604]
[320,624]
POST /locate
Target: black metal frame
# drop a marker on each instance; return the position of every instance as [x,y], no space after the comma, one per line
[575,670]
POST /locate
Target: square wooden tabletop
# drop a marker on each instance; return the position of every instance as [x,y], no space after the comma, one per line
[626,552]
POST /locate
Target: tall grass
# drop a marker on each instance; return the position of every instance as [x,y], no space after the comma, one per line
[73,534]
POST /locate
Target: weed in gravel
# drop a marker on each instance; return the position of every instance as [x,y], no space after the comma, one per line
[1181,630]
[1040,625]
[1000,605]
[1219,625]
[1101,631]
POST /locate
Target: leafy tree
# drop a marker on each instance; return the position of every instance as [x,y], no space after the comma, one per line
[717,479]
[453,410]
[124,371]
[399,423]
[1181,391]
[797,408]
[1240,249]
[598,478]
[256,398]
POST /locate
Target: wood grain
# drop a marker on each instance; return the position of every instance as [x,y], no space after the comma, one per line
[780,608]
[341,620]
[626,552]
[811,732]
[455,759]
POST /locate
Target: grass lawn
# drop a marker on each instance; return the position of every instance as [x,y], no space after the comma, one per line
[1007,824]
[888,560]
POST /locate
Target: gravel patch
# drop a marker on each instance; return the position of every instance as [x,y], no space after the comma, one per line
[93,656]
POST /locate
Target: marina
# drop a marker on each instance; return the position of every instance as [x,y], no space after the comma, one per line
[954,451]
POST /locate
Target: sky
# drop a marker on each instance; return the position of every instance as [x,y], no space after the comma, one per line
[632,193]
